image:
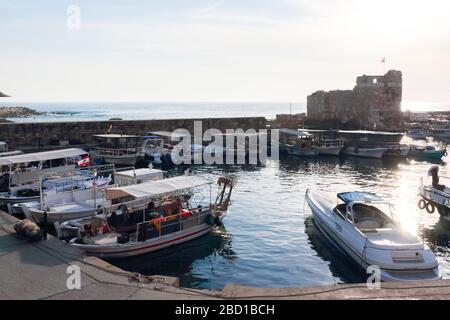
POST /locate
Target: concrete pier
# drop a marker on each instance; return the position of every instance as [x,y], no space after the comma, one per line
[39,271]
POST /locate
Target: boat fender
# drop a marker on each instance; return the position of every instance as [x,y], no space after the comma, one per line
[29,229]
[421,204]
[430,208]
[445,152]
[356,150]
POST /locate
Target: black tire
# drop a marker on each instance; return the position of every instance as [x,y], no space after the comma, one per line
[430,208]
[421,204]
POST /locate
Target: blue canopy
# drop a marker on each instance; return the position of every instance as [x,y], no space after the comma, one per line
[358,196]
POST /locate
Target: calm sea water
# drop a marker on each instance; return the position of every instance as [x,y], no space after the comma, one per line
[268,238]
[82,111]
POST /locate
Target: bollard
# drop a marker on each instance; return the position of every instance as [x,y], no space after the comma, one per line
[45,225]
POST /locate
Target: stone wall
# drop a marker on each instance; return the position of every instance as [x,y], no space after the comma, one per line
[42,134]
[374,103]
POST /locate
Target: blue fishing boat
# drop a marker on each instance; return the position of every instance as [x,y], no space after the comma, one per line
[426,152]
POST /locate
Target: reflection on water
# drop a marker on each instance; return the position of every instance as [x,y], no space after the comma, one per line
[341,267]
[181,260]
[268,243]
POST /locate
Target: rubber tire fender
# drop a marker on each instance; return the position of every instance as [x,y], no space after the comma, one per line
[422,204]
[430,208]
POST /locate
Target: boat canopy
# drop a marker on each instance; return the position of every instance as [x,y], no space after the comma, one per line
[116,136]
[41,156]
[293,132]
[358,196]
[168,134]
[140,172]
[154,189]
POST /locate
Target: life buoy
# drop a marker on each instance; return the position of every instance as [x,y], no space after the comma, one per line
[356,150]
[430,207]
[422,204]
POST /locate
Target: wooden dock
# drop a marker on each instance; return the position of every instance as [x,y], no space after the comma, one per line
[39,271]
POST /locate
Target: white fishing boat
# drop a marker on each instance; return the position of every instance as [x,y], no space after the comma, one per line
[364,227]
[434,195]
[297,143]
[376,153]
[118,149]
[153,148]
[79,203]
[21,173]
[440,129]
[161,214]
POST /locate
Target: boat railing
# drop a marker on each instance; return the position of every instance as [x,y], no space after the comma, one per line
[330,143]
[161,226]
[116,152]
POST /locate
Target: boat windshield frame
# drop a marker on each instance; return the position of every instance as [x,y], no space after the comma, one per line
[375,203]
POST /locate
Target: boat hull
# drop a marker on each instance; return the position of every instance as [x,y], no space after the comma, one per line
[376,153]
[16,199]
[434,154]
[396,153]
[134,249]
[125,160]
[329,151]
[53,217]
[313,153]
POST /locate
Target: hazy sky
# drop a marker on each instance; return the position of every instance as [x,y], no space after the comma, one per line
[221,50]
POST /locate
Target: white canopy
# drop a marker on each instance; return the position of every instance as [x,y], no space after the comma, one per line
[293,132]
[153,189]
[139,172]
[116,136]
[41,156]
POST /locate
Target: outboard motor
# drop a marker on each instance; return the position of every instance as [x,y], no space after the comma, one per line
[434,173]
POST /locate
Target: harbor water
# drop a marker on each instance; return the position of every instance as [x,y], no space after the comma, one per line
[268,238]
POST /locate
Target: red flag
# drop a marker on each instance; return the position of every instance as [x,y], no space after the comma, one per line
[110,128]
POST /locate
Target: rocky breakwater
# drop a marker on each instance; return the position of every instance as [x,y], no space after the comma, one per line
[17,112]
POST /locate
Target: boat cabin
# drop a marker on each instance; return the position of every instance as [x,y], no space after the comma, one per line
[153,209]
[137,176]
[117,144]
[26,168]
[295,139]
[367,211]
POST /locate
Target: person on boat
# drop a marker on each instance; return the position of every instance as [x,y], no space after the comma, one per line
[434,173]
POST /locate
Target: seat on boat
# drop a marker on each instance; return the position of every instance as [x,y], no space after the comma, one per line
[370,218]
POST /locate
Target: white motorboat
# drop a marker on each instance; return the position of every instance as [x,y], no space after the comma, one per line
[364,227]
[162,216]
[376,153]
